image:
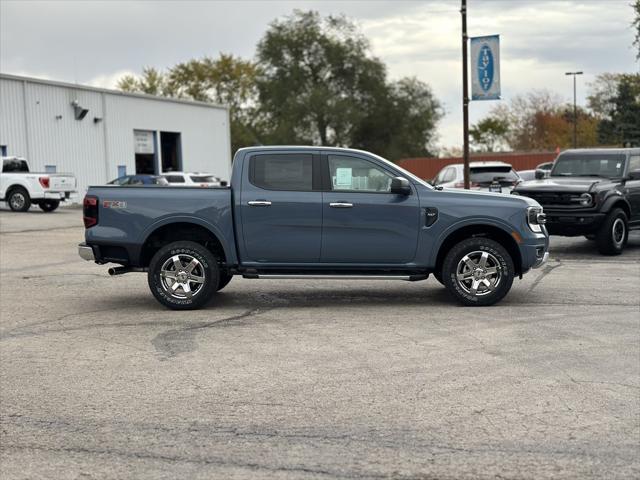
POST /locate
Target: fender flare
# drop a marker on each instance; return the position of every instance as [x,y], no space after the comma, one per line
[615,198]
[467,222]
[213,229]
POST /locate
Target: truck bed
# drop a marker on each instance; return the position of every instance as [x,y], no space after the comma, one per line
[128,216]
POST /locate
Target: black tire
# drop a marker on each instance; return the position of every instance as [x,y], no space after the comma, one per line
[49,205]
[19,200]
[613,233]
[224,280]
[205,268]
[490,287]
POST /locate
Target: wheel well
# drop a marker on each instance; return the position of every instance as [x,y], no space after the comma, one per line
[11,189]
[623,206]
[486,231]
[175,232]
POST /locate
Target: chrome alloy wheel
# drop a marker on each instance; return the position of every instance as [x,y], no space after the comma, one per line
[18,201]
[182,276]
[618,232]
[478,273]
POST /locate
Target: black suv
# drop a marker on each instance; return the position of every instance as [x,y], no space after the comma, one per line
[594,192]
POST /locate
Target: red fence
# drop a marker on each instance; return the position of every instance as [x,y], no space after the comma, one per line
[427,168]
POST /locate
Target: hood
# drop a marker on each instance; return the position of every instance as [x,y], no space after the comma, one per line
[564,184]
[490,198]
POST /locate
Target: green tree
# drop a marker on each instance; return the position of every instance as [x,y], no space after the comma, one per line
[489,134]
[621,124]
[152,82]
[319,84]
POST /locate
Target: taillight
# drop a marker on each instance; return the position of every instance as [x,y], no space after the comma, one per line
[44,181]
[90,211]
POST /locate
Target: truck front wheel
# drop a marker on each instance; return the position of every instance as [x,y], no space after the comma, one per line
[613,234]
[183,275]
[478,271]
[19,200]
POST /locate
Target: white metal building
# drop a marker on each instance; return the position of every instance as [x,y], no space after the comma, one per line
[99,134]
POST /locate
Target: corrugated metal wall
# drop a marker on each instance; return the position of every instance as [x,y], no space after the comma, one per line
[37,122]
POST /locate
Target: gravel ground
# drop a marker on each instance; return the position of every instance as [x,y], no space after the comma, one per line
[314,379]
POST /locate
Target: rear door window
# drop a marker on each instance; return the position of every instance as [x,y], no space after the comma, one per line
[291,171]
[15,165]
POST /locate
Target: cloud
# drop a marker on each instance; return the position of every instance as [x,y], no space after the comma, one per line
[97,42]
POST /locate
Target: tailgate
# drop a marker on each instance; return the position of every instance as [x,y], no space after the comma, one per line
[62,183]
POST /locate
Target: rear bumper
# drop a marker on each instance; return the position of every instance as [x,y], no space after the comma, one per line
[86,252]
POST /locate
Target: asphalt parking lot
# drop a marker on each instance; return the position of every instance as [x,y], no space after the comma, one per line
[317,379]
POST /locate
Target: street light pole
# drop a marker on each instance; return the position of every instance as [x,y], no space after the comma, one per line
[465,96]
[575,111]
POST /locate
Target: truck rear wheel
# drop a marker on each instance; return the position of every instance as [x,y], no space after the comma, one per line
[613,233]
[49,205]
[478,271]
[19,200]
[183,275]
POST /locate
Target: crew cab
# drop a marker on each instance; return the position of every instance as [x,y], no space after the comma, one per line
[314,212]
[20,187]
[591,192]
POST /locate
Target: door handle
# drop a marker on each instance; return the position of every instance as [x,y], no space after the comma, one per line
[259,203]
[341,205]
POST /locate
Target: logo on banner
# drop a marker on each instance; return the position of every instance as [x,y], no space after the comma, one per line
[485,68]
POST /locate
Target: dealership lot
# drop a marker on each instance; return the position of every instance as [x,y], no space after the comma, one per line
[314,379]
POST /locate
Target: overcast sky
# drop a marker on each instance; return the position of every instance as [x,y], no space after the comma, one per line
[96,42]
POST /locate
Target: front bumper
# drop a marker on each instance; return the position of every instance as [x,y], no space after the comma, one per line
[86,252]
[573,223]
[541,261]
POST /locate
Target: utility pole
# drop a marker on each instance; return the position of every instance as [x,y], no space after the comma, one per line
[465,95]
[575,111]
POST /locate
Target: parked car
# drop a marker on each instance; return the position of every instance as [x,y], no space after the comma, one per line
[20,187]
[195,179]
[527,175]
[543,170]
[497,177]
[313,212]
[591,192]
[129,180]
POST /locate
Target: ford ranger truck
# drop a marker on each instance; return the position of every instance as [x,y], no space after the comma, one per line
[314,212]
[591,192]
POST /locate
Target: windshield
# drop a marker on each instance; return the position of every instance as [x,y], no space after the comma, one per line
[605,165]
[204,179]
[489,174]
[15,165]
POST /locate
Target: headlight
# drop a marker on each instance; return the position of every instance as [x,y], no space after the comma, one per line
[535,218]
[586,200]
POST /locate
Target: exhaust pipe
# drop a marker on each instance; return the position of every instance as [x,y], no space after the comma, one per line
[122,270]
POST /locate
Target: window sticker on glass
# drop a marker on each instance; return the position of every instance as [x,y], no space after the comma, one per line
[344,177]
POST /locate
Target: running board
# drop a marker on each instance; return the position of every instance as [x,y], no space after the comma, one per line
[288,276]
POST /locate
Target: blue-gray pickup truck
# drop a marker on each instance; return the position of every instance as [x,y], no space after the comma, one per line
[314,212]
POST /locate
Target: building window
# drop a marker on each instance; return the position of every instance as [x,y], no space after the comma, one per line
[3,150]
[50,168]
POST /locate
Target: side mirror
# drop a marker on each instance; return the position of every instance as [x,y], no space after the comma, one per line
[400,186]
[634,175]
[539,174]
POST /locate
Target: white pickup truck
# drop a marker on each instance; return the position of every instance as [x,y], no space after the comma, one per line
[20,188]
